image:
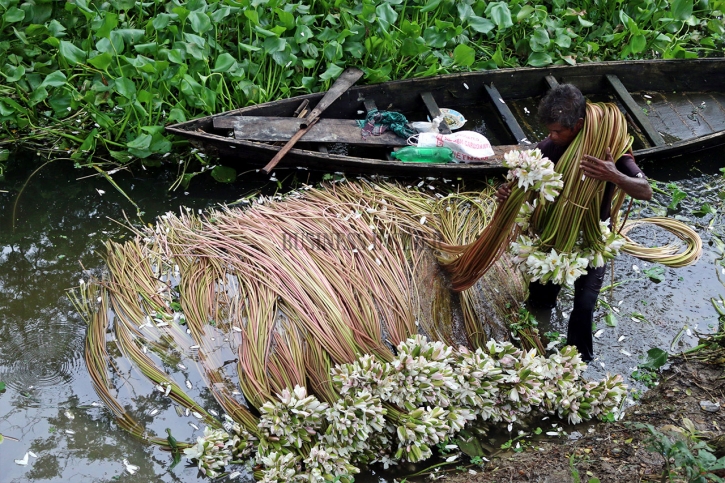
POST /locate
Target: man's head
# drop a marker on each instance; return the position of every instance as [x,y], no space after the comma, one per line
[562,110]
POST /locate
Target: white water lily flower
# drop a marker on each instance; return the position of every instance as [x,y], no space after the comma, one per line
[129,467]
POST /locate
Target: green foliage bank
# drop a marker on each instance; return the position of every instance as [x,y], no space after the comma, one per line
[97,81]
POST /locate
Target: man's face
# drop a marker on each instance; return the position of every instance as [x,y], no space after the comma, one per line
[563,136]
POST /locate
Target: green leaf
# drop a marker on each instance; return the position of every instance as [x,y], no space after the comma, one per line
[110,22]
[54,79]
[224,63]
[705,209]
[143,141]
[539,59]
[610,320]
[563,41]
[638,43]
[61,101]
[524,13]
[682,9]
[249,48]
[430,6]
[38,95]
[120,156]
[252,15]
[286,19]
[656,273]
[2,386]
[125,87]
[71,53]
[199,21]
[101,61]
[123,4]
[303,34]
[412,47]
[464,55]
[13,14]
[13,73]
[89,145]
[333,72]
[161,21]
[4,156]
[470,444]
[2,438]
[539,41]
[500,13]
[656,358]
[224,174]
[220,14]
[480,24]
[177,115]
[584,23]
[435,38]
[274,44]
[386,15]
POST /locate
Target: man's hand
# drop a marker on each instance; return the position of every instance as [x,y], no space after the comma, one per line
[503,192]
[601,169]
[605,170]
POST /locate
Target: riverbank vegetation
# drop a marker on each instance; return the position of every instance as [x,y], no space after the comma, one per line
[95,82]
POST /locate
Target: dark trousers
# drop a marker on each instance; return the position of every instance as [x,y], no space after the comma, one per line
[586,292]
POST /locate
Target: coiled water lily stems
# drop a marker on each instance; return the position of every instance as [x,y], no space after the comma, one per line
[673,254]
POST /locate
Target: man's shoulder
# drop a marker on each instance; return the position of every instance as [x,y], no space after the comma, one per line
[628,166]
[550,150]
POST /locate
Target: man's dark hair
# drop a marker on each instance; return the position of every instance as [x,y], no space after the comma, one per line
[563,104]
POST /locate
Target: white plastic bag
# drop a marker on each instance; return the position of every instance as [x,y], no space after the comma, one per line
[467,146]
[427,126]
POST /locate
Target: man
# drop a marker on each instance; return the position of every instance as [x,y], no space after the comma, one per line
[562,110]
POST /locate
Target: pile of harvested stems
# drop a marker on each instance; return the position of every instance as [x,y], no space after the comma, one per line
[330,303]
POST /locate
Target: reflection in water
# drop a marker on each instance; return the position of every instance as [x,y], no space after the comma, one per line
[61,225]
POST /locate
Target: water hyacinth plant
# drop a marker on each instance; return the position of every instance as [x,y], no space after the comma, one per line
[96,81]
[326,389]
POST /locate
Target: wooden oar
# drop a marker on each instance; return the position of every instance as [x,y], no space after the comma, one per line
[341,84]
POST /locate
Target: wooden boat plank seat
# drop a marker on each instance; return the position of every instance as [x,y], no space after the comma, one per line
[369,105]
[635,111]
[508,117]
[258,128]
[434,111]
[551,81]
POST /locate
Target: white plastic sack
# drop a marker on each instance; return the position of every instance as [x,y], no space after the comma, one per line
[467,146]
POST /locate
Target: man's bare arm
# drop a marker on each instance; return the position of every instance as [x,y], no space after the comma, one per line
[605,170]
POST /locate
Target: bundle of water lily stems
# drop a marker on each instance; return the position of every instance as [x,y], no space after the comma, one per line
[346,346]
[560,236]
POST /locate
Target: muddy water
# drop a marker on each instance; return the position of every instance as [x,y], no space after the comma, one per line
[56,229]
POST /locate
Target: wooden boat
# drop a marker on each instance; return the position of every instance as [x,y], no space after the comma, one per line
[672,107]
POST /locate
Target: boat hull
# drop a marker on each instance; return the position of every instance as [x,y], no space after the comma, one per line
[673,107]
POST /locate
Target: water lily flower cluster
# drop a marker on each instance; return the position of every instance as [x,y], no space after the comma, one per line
[399,410]
[532,171]
[547,266]
[562,268]
[291,421]
[611,244]
[217,448]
